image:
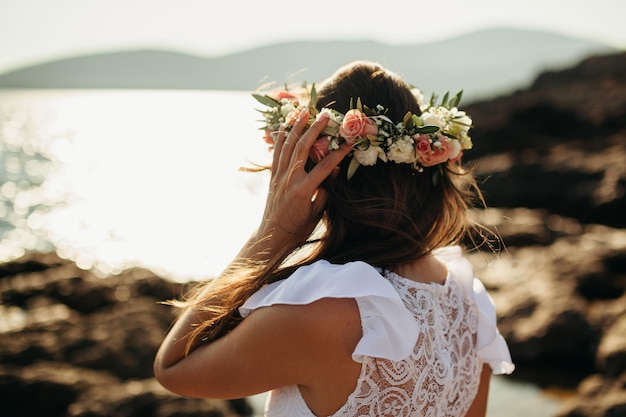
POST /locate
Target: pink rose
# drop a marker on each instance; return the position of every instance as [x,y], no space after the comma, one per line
[356,125]
[279,95]
[319,150]
[422,144]
[429,155]
[268,137]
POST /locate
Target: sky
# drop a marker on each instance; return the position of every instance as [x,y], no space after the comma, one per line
[34,31]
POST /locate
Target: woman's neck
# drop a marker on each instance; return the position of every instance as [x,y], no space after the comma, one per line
[427,269]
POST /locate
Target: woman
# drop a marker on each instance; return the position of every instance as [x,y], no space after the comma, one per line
[350,299]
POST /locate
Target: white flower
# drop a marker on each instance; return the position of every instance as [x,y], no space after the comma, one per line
[334,121]
[459,121]
[370,155]
[436,116]
[466,142]
[334,143]
[459,126]
[287,108]
[402,151]
[456,148]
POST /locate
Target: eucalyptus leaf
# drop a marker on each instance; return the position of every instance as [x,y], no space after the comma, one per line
[266,100]
[313,101]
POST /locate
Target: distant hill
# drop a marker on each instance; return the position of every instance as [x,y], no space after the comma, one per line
[482,63]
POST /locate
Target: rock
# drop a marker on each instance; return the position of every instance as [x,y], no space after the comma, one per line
[611,355]
[558,145]
[550,162]
[73,344]
[560,294]
[598,397]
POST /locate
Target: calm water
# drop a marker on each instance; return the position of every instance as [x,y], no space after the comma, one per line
[114,179]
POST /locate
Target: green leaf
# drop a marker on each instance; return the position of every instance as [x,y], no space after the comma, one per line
[456,100]
[444,101]
[368,111]
[362,144]
[408,120]
[433,99]
[313,95]
[359,106]
[354,165]
[266,100]
[427,129]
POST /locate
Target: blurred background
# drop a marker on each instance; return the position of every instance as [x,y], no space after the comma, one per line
[123,125]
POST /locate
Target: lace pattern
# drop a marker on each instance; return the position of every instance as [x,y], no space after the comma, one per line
[440,378]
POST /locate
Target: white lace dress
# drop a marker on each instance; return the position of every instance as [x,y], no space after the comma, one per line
[423,345]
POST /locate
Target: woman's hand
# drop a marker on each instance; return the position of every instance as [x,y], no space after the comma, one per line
[295,201]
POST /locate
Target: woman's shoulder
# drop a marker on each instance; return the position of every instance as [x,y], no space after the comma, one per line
[388,329]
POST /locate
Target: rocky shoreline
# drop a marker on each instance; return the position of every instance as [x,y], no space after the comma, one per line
[561,305]
[74,344]
[551,166]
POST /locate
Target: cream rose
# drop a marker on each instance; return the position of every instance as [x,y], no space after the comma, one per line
[370,155]
[436,116]
[402,151]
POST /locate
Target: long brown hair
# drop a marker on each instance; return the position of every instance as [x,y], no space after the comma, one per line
[387,214]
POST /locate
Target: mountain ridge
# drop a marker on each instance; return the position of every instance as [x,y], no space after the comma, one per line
[483,63]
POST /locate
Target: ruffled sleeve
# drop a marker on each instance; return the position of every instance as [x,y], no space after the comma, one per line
[389,329]
[492,348]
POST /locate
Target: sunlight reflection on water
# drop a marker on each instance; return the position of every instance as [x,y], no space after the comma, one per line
[149,178]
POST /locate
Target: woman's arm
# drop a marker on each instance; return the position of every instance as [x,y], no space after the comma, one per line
[294,205]
[479,406]
[275,346]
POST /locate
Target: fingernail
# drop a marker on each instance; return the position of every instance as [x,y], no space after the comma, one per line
[303,114]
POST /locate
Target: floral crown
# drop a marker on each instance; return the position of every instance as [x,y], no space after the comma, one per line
[438,136]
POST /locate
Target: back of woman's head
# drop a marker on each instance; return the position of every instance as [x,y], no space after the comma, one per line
[388,213]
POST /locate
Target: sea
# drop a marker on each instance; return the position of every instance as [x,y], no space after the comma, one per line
[114,179]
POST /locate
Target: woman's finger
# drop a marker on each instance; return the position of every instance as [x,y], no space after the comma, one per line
[327,166]
[302,150]
[279,139]
[293,138]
